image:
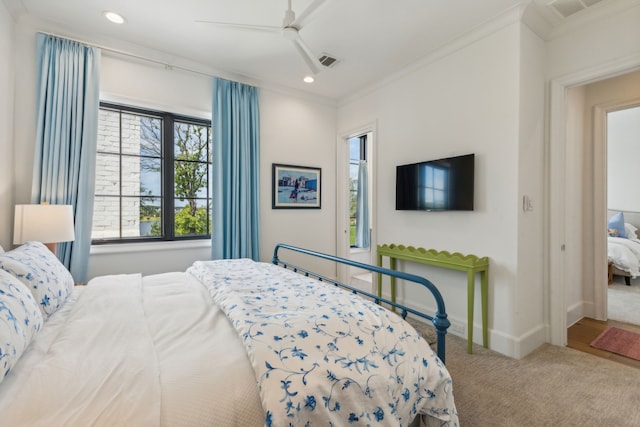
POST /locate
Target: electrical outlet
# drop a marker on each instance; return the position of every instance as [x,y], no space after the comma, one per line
[457,328]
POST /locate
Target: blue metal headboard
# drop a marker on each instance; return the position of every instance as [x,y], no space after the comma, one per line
[440,321]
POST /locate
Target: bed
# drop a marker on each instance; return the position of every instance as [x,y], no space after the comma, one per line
[623,245]
[227,342]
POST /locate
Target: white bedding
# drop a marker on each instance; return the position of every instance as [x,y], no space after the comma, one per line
[169,357]
[55,381]
[624,254]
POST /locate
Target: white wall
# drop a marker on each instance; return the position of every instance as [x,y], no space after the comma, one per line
[298,131]
[25,112]
[466,102]
[623,152]
[7,70]
[294,130]
[529,317]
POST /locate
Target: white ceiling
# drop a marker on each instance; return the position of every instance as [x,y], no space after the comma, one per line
[372,39]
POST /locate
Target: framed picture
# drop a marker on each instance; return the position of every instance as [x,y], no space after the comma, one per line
[296,187]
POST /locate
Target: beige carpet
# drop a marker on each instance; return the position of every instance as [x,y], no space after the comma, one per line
[623,301]
[553,386]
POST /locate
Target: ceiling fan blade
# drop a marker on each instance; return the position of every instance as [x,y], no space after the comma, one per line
[307,55]
[305,14]
[247,27]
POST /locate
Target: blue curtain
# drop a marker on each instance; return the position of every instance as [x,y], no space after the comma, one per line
[66,135]
[236,171]
[362,207]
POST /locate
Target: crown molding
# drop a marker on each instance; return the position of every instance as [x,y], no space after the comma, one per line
[594,13]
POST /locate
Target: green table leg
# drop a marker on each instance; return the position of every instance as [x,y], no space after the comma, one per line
[392,266]
[392,280]
[380,276]
[470,304]
[484,290]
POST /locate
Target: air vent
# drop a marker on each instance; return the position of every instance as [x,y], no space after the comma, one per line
[566,8]
[327,60]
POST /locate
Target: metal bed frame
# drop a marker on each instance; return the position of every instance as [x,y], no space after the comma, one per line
[439,320]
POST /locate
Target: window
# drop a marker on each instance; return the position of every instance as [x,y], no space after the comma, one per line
[153,176]
[358,193]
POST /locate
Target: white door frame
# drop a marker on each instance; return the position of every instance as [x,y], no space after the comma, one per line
[600,273]
[600,207]
[342,194]
[555,183]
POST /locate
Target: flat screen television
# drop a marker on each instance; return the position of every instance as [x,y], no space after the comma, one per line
[436,185]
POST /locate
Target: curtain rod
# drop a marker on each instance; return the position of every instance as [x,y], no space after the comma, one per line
[132,55]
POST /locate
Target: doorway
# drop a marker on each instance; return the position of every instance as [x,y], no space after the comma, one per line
[622,138]
[576,250]
[356,212]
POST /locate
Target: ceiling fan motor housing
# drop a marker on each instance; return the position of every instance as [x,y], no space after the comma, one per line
[290,33]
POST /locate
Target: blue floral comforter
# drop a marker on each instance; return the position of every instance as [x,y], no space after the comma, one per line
[324,357]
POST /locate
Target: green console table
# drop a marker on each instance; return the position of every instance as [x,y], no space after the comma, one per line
[454,261]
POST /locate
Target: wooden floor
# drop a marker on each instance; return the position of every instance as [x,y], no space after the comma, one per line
[586,330]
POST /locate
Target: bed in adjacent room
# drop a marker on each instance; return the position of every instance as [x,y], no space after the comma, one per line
[623,245]
[228,342]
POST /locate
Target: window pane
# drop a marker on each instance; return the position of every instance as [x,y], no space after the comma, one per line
[108,131]
[150,216]
[150,176]
[141,135]
[151,137]
[190,180]
[130,176]
[191,142]
[107,174]
[354,160]
[106,218]
[130,217]
[192,217]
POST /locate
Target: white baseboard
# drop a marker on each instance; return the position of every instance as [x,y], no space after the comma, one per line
[508,345]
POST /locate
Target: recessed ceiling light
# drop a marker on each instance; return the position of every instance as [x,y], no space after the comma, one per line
[114,17]
[308,79]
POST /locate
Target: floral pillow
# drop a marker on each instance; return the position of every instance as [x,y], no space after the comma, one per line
[39,269]
[612,232]
[20,320]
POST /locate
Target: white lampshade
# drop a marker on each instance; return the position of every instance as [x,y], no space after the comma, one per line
[43,223]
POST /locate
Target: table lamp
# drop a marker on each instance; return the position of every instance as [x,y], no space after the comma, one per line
[44,223]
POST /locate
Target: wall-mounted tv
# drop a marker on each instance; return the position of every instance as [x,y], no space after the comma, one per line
[436,185]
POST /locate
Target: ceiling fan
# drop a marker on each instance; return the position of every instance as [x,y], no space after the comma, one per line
[290,29]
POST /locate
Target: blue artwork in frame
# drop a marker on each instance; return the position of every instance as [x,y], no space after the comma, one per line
[296,187]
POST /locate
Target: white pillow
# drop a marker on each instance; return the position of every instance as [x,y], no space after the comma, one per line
[39,269]
[630,230]
[20,320]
